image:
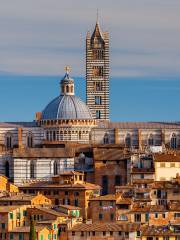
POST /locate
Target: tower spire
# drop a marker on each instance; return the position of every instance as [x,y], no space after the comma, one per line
[97,16]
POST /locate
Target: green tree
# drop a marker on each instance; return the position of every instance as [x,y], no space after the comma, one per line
[32,234]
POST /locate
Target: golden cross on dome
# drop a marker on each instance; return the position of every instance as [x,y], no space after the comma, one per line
[67,69]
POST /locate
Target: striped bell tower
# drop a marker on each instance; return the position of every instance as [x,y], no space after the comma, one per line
[97,73]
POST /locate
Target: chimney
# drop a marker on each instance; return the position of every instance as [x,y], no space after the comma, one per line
[38,116]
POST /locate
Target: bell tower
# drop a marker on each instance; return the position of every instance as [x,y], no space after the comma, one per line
[97,73]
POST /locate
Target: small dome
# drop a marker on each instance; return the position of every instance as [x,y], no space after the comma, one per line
[66,107]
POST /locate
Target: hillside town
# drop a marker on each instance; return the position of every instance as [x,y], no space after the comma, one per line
[72,174]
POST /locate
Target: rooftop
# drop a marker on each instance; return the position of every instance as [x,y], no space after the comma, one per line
[100,227]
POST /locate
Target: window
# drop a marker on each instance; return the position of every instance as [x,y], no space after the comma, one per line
[98,54]
[66,193]
[123,217]
[106,139]
[97,71]
[137,217]
[7,169]
[55,168]
[32,169]
[112,216]
[11,216]
[146,217]
[98,86]
[41,238]
[24,213]
[11,236]
[104,185]
[111,233]
[118,180]
[138,233]
[164,215]
[3,225]
[98,100]
[128,140]
[21,236]
[93,233]
[156,215]
[76,202]
[82,234]
[100,216]
[104,233]
[162,164]
[176,215]
[151,140]
[173,142]
[98,114]
[73,233]
[172,165]
[149,238]
[100,203]
[9,141]
[165,238]
[30,140]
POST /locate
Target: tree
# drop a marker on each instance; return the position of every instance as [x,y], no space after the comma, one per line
[32,233]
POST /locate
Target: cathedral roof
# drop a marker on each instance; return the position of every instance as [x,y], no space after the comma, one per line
[66,107]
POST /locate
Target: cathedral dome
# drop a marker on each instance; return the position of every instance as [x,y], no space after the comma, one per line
[67,105]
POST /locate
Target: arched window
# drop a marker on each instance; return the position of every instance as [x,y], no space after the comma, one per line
[32,169]
[173,142]
[9,141]
[151,140]
[54,135]
[7,169]
[128,140]
[106,139]
[30,140]
[80,135]
[55,168]
[123,217]
[67,88]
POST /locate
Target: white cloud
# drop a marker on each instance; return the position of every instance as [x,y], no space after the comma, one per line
[41,36]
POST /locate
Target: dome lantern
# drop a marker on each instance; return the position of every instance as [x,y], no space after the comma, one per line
[67,83]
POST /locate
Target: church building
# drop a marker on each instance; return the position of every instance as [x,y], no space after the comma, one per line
[51,143]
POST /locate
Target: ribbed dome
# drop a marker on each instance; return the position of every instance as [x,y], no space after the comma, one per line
[66,107]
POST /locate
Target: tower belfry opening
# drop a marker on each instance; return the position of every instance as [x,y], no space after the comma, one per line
[97,72]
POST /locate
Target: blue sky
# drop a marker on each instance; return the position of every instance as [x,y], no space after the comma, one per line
[40,37]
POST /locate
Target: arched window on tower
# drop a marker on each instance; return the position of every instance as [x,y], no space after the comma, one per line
[8,141]
[106,138]
[173,142]
[151,140]
[32,169]
[67,88]
[128,140]
[55,166]
[29,140]
[7,169]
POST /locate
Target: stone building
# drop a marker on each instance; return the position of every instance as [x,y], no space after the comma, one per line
[49,145]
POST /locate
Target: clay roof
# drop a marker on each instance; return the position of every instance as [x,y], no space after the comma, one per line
[52,212]
[109,197]
[70,207]
[46,185]
[6,209]
[124,200]
[167,157]
[43,153]
[165,185]
[17,197]
[27,229]
[112,154]
[100,227]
